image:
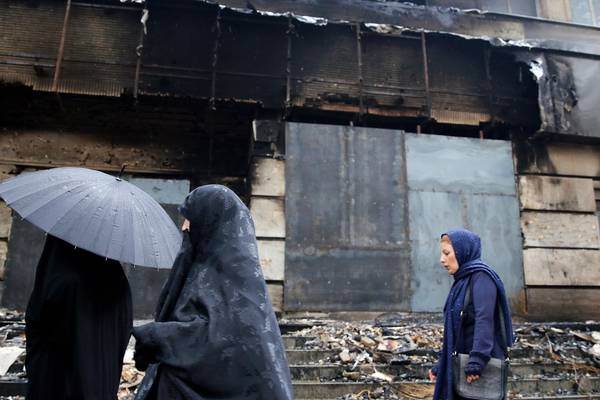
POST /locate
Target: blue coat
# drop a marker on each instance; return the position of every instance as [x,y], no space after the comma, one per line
[481,337]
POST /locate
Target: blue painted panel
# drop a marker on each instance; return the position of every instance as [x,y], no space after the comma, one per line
[164,191]
[443,163]
[459,182]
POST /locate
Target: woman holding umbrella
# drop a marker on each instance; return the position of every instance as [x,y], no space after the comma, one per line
[78,324]
[215,334]
[79,315]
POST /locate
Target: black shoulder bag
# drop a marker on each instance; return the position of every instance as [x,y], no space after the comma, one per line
[492,383]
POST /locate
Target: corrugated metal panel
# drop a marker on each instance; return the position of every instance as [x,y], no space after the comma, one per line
[33,30]
[256,69]
[328,53]
[459,182]
[251,61]
[459,86]
[392,61]
[393,73]
[177,55]
[181,55]
[103,35]
[100,45]
[346,244]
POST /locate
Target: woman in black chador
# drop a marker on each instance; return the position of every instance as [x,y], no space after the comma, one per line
[215,335]
[78,324]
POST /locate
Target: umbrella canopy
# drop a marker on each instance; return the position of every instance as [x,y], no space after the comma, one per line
[96,212]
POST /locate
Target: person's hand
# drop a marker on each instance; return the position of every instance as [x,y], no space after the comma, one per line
[432,376]
[472,378]
[186,225]
[143,357]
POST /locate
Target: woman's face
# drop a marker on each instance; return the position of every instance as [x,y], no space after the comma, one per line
[447,257]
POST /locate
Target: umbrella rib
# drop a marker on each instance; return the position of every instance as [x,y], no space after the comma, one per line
[165,234]
[102,220]
[161,226]
[158,225]
[102,185]
[112,225]
[124,237]
[41,190]
[67,208]
[98,201]
[153,236]
[139,223]
[122,217]
[25,180]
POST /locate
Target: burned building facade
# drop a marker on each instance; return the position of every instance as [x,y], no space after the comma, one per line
[356,131]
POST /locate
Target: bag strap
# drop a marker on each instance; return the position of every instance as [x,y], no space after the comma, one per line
[502,329]
[462,315]
[460,325]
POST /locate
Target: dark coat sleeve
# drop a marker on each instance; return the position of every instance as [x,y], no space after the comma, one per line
[169,342]
[435,369]
[484,304]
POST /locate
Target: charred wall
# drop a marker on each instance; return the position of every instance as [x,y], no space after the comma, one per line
[558,189]
[202,51]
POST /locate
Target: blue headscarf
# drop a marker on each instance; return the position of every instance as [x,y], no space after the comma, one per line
[467,248]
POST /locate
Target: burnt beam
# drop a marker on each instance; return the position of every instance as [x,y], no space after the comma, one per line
[139,52]
[426,73]
[61,47]
[361,109]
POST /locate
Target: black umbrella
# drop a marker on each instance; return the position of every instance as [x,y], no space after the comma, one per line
[96,212]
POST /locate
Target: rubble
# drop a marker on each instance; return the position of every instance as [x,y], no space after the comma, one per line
[12,353]
[130,379]
[392,359]
[363,344]
[8,356]
[548,359]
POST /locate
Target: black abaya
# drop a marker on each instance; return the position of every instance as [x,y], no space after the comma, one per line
[215,335]
[78,323]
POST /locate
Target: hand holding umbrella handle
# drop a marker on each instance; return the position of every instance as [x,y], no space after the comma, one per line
[143,357]
[186,225]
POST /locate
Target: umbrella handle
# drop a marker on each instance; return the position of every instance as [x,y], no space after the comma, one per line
[121,172]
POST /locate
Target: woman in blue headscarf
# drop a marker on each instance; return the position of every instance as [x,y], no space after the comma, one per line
[481,332]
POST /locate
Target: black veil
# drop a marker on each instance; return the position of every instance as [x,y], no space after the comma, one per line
[215,335]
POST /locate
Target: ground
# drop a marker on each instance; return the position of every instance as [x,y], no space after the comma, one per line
[386,358]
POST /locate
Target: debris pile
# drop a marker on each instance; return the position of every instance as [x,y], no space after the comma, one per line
[130,378]
[390,360]
[12,358]
[570,344]
[363,346]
